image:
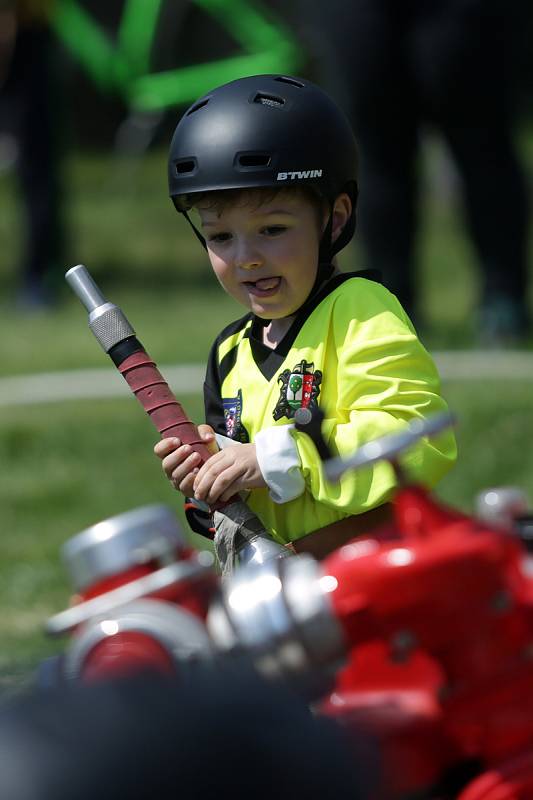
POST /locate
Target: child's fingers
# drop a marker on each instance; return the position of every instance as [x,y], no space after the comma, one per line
[179,456]
[214,478]
[224,486]
[184,469]
[185,486]
[166,446]
[207,474]
[232,490]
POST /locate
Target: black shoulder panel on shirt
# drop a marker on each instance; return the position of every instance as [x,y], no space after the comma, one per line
[213,368]
[233,327]
[227,363]
[214,409]
[216,373]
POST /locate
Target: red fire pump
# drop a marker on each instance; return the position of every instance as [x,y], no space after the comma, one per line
[424,629]
[142,597]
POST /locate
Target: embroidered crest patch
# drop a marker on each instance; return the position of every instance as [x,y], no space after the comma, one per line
[232,418]
[300,388]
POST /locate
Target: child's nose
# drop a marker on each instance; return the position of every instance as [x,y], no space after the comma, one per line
[247,257]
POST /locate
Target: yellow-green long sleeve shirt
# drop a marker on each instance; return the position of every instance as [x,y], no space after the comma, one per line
[354,353]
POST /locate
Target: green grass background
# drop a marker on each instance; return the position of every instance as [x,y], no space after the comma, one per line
[65,466]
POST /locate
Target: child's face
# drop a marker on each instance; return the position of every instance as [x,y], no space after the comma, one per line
[266,255]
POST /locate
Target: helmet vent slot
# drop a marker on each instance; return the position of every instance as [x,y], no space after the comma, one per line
[254,160]
[290,81]
[269,100]
[185,166]
[197,107]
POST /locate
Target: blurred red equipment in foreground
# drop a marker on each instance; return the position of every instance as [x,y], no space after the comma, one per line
[418,635]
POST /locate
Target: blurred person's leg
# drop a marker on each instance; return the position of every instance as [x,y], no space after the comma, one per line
[496,204]
[367,73]
[30,95]
[463,57]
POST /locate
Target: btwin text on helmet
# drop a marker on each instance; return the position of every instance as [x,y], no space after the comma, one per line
[297,175]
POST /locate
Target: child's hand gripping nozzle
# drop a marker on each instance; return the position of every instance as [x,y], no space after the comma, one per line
[239,534]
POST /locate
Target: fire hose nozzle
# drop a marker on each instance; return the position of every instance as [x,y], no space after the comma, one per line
[106,320]
[81,282]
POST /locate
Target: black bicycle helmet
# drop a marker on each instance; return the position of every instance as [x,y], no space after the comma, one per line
[265,131]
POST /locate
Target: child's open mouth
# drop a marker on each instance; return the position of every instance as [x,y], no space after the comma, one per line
[264,287]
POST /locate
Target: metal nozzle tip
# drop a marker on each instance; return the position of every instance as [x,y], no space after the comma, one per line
[73,270]
[80,281]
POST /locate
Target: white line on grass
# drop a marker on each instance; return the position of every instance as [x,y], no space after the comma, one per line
[87,384]
[485,364]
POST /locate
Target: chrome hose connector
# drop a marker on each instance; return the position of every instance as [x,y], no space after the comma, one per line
[148,533]
[279,614]
[106,320]
[180,634]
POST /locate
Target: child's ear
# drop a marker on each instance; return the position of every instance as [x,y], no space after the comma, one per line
[342,209]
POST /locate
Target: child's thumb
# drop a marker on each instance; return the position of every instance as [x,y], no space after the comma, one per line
[207,434]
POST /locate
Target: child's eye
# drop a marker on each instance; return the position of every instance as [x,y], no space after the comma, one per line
[218,238]
[274,230]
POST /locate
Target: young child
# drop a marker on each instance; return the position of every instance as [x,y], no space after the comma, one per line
[270,164]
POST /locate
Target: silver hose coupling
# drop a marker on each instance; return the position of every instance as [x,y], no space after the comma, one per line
[280,615]
[106,320]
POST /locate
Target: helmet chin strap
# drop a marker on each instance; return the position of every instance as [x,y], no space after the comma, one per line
[197,233]
[327,251]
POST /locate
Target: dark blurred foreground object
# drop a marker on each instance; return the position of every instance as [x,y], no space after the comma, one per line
[28,111]
[219,732]
[455,65]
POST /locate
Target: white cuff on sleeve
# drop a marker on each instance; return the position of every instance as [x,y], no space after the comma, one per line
[279,463]
[224,441]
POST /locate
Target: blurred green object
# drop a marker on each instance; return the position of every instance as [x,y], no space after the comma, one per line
[124,66]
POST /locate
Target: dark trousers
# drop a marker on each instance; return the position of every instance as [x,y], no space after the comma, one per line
[28,107]
[449,63]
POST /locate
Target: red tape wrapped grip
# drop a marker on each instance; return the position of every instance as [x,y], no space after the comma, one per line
[155,396]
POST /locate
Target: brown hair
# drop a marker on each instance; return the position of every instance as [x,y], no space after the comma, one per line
[222,199]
